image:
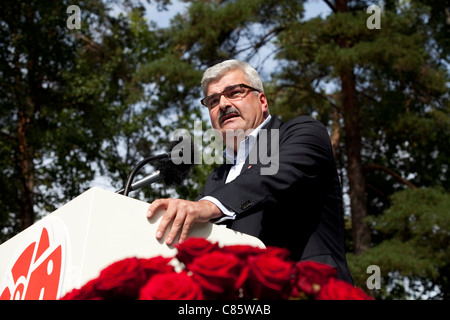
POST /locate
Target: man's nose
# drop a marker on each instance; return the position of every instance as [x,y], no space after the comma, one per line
[224,103]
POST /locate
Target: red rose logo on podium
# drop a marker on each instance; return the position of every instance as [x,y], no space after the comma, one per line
[37,272]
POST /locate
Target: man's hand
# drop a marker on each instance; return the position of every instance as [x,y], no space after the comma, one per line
[183,213]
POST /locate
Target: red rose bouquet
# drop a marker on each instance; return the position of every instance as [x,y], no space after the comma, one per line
[208,271]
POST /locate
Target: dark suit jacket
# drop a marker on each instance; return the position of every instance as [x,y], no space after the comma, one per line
[299,207]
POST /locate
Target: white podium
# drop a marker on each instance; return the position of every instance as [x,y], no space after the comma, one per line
[73,244]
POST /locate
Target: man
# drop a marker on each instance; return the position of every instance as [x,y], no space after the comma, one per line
[296,203]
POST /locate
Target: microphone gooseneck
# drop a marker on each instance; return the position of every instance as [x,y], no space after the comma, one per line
[154,177]
[127,188]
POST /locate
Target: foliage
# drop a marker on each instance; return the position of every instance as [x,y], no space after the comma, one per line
[34,52]
[416,236]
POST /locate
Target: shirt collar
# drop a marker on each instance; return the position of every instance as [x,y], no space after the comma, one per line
[244,146]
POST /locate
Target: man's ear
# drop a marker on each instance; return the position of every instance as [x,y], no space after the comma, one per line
[264,104]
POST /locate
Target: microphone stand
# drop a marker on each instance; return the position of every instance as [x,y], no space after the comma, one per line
[138,167]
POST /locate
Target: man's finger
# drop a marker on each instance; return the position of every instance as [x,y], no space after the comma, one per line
[165,221]
[177,224]
[188,222]
[155,205]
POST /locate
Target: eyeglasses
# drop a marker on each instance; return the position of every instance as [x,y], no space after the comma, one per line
[234,92]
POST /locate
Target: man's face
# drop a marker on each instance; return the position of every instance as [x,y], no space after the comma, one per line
[249,112]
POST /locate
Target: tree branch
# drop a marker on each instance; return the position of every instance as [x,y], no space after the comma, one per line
[379,167]
[7,136]
[332,6]
[92,45]
[262,41]
[317,94]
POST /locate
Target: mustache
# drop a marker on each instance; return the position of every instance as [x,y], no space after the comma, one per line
[228,111]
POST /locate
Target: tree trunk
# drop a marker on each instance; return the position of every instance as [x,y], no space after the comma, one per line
[25,150]
[25,172]
[355,170]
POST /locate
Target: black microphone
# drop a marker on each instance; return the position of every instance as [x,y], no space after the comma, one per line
[172,174]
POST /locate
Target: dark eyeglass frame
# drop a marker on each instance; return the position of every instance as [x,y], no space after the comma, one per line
[205,100]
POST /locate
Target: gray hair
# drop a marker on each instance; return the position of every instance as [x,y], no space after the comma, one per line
[217,71]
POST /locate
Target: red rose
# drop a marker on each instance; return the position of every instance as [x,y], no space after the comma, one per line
[269,277]
[192,248]
[337,289]
[155,265]
[122,279]
[242,251]
[86,292]
[171,286]
[310,276]
[281,253]
[218,274]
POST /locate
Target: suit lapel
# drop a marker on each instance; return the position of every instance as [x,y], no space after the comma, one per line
[220,175]
[274,123]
